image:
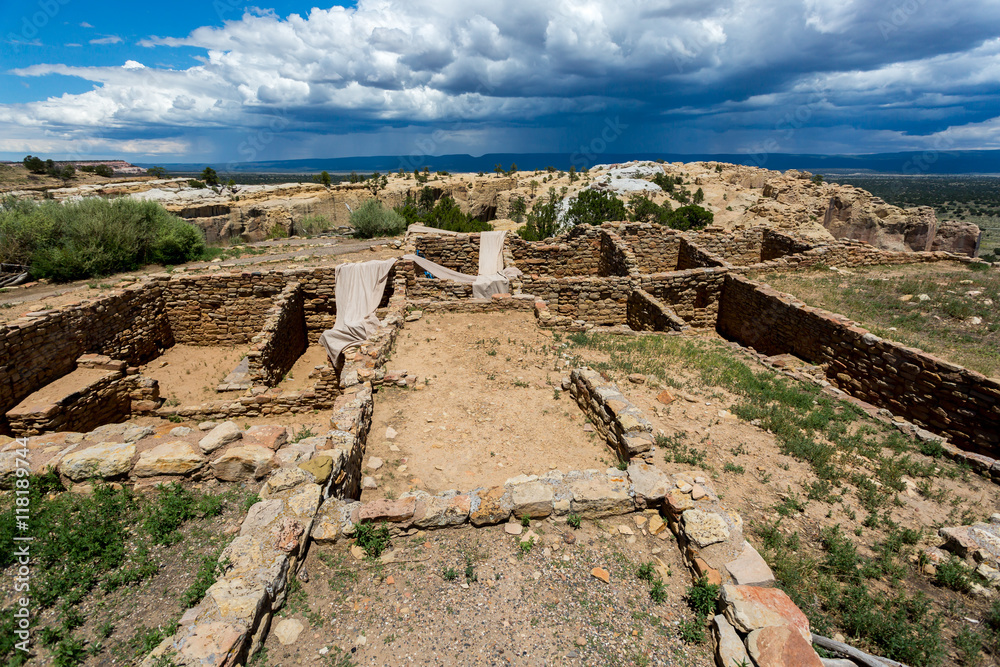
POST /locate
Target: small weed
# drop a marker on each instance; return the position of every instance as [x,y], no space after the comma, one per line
[374,540]
[954,574]
[526,521]
[658,592]
[450,574]
[525,547]
[646,572]
[733,468]
[692,631]
[573,520]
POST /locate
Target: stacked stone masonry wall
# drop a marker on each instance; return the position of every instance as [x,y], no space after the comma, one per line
[222,309]
[458,253]
[577,253]
[104,399]
[692,256]
[127,324]
[940,396]
[601,301]
[647,313]
[693,295]
[655,248]
[282,339]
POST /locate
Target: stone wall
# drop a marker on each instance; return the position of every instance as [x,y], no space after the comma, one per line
[655,247]
[693,295]
[621,424]
[102,395]
[775,244]
[647,313]
[577,253]
[741,247]
[692,256]
[282,339]
[617,259]
[940,396]
[222,309]
[127,324]
[599,301]
[459,252]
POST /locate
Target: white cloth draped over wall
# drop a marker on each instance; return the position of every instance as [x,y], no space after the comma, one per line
[492,277]
[359,290]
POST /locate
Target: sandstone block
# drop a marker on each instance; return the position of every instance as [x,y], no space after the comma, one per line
[750,608]
[532,499]
[600,496]
[319,467]
[779,646]
[170,458]
[103,460]
[649,483]
[729,649]
[387,510]
[494,507]
[749,569]
[272,437]
[221,435]
[439,512]
[243,463]
[705,528]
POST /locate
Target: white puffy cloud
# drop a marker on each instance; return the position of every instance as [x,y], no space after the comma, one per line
[411,63]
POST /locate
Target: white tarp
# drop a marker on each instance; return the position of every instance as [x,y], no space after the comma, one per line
[492,278]
[359,290]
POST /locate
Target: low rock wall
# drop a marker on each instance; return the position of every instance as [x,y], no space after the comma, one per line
[647,313]
[942,397]
[656,248]
[577,253]
[692,256]
[620,423]
[599,301]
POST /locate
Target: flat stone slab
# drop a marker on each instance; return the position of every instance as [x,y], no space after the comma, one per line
[600,495]
[749,569]
[532,499]
[103,460]
[750,608]
[221,435]
[170,458]
[490,506]
[650,484]
[387,510]
[981,538]
[272,437]
[729,649]
[705,528]
[243,463]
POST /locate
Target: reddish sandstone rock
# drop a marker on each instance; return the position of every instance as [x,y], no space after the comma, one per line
[272,437]
[781,646]
[387,510]
[287,534]
[751,608]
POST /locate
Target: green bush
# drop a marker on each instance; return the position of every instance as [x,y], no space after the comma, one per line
[93,237]
[543,221]
[372,219]
[312,225]
[592,207]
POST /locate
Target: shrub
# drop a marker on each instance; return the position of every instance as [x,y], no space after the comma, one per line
[373,540]
[372,219]
[93,237]
[543,220]
[644,209]
[313,224]
[690,217]
[592,207]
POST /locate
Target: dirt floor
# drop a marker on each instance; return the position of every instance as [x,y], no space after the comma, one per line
[189,374]
[497,606]
[297,378]
[484,408]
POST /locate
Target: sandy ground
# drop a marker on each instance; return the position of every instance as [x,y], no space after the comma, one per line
[297,378]
[189,374]
[542,608]
[484,408]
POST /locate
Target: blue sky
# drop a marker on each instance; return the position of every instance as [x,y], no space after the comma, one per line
[218,80]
